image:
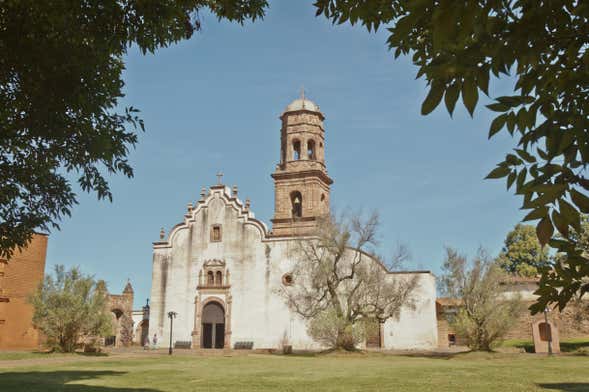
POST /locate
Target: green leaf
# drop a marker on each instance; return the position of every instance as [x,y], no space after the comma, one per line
[433,98]
[451,97]
[498,107]
[497,124]
[580,200]
[569,214]
[526,156]
[521,178]
[560,223]
[483,80]
[544,230]
[510,179]
[470,95]
[538,213]
[498,172]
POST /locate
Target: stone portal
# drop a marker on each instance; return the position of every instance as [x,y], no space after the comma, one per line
[213,326]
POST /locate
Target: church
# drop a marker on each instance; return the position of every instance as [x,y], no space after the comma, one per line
[219,270]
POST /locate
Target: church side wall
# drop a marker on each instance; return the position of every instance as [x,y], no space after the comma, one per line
[159,285]
[415,328]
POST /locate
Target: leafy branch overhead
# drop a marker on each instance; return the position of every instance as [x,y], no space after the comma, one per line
[60,83]
[457,47]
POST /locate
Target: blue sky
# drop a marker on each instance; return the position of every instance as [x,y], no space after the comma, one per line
[212,103]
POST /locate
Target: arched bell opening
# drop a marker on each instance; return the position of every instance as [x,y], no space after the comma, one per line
[311,150]
[296,150]
[296,200]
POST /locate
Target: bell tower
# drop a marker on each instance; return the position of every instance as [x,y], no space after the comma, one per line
[301,182]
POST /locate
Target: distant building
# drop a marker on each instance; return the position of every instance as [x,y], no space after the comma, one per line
[19,278]
[121,310]
[572,322]
[141,325]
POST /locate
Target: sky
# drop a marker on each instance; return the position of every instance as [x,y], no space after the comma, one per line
[212,103]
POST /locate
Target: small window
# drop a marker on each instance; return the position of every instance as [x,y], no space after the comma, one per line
[216,233]
[210,278]
[323,197]
[2,322]
[451,339]
[219,278]
[296,150]
[287,279]
[311,149]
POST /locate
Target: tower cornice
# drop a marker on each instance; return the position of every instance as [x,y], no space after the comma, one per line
[287,175]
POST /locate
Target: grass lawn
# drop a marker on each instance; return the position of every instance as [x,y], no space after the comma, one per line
[16,355]
[356,372]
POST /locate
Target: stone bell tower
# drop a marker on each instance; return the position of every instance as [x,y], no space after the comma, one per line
[301,183]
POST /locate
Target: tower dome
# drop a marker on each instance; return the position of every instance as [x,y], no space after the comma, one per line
[302,104]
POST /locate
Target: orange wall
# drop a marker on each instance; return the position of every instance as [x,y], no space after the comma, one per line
[19,277]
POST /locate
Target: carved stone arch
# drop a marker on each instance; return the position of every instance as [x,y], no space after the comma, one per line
[214,298]
[198,333]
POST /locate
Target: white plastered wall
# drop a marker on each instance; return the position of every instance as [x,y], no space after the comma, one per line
[256,264]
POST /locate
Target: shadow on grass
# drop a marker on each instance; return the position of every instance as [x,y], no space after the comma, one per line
[565,346]
[567,386]
[60,381]
[568,347]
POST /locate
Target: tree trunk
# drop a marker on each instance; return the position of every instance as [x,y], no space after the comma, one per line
[345,340]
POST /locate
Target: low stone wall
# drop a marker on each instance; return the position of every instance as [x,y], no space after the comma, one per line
[572,323]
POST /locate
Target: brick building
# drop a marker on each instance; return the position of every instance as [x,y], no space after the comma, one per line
[19,277]
[572,322]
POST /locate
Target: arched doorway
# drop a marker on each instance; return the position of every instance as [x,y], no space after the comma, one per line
[115,338]
[213,325]
[142,332]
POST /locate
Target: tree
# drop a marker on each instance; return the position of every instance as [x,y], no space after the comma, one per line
[565,278]
[486,314]
[70,306]
[522,254]
[542,46]
[60,83]
[339,288]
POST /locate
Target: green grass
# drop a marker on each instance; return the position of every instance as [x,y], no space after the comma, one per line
[356,372]
[17,355]
[566,346]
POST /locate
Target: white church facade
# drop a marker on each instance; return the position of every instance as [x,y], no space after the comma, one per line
[221,269]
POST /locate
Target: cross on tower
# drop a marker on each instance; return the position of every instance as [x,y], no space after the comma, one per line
[303,93]
[219,178]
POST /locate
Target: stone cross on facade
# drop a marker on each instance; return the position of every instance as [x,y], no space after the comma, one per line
[219,178]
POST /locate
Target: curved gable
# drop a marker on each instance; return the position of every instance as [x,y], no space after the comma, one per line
[217,202]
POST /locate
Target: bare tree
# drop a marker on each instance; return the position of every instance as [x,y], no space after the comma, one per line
[401,255]
[339,288]
[486,314]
